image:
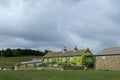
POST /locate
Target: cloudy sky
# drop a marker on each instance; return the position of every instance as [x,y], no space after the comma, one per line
[53,24]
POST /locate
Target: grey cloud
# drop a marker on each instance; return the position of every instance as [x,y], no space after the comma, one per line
[55,24]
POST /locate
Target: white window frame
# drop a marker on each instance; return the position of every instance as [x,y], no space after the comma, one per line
[50,59]
[45,60]
[63,59]
[103,57]
[88,58]
[71,58]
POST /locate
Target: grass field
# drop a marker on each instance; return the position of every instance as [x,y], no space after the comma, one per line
[8,62]
[59,75]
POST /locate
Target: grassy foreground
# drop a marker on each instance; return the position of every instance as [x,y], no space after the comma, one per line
[59,75]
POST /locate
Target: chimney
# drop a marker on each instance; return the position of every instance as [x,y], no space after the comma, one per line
[75,48]
[88,50]
[64,49]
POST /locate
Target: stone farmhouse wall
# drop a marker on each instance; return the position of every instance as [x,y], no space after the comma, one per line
[110,62]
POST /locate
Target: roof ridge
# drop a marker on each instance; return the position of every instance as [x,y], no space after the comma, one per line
[66,53]
[109,51]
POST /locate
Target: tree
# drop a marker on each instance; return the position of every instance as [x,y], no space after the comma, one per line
[8,53]
[46,51]
[22,52]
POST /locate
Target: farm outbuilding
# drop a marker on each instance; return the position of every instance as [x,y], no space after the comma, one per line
[35,63]
[108,59]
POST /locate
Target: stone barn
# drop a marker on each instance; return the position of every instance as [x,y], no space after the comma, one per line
[108,59]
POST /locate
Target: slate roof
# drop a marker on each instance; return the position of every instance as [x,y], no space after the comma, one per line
[31,62]
[109,51]
[66,53]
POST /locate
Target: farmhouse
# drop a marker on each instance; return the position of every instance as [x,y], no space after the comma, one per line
[108,58]
[73,57]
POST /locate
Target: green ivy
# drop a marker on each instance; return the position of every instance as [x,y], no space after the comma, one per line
[88,62]
[53,59]
[68,59]
[78,60]
[45,64]
[57,59]
[74,59]
[60,59]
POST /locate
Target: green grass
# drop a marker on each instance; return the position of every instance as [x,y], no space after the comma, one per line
[8,62]
[59,75]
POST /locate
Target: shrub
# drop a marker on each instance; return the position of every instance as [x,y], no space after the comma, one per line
[60,63]
[45,64]
[66,64]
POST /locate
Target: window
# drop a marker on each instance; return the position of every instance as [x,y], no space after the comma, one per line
[63,59]
[45,60]
[71,58]
[88,58]
[50,59]
[103,57]
[57,59]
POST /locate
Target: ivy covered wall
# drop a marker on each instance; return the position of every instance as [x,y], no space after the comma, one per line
[87,59]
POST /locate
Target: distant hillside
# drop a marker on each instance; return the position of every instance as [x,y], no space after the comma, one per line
[8,62]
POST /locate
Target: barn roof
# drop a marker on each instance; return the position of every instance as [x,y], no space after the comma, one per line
[109,51]
[66,53]
[31,62]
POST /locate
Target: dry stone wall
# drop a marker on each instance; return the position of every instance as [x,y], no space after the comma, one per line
[110,62]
